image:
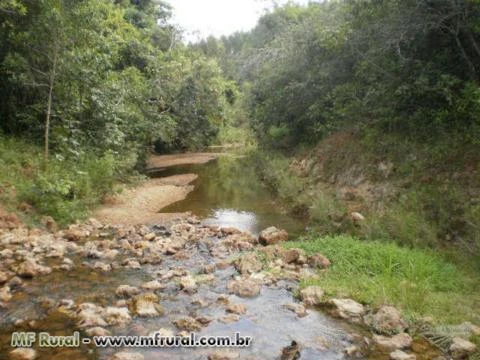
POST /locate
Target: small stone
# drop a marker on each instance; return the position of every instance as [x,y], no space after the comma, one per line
[248,264]
[187,323]
[146,305]
[388,320]
[352,350]
[127,356]
[400,355]
[298,309]
[5,294]
[356,217]
[208,269]
[188,284]
[30,268]
[231,318]
[291,256]
[224,355]
[102,266]
[238,309]
[127,291]
[150,236]
[117,316]
[153,285]
[347,309]
[22,354]
[244,288]
[97,331]
[318,261]
[462,348]
[400,341]
[312,295]
[49,223]
[163,332]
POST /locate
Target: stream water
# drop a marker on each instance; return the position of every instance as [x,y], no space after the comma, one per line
[228,192]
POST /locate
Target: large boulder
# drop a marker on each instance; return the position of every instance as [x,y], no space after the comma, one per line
[388,320]
[272,235]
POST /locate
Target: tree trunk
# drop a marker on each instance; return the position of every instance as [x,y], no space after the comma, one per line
[49,105]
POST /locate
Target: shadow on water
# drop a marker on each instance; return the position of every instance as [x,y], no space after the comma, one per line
[228,192]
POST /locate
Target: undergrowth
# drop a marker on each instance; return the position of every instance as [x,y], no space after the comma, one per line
[65,189]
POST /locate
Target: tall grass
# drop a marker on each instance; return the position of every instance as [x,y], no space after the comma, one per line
[421,282]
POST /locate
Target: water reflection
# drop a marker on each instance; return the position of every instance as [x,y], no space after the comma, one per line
[229,193]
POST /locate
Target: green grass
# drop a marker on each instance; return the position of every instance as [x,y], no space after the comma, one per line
[420,282]
[65,189]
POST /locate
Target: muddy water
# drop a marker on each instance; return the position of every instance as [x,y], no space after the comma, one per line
[229,193]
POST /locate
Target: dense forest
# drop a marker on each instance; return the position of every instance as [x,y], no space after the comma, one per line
[97,84]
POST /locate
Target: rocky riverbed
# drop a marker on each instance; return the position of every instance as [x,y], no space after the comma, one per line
[179,277]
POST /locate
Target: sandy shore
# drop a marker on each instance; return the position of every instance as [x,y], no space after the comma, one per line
[161,161]
[140,205]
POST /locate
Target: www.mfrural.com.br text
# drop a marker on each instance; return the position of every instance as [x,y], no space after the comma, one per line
[45,340]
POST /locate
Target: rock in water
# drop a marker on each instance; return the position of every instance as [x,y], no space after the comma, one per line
[291,352]
[272,235]
[397,342]
[312,295]
[127,356]
[347,309]
[127,291]
[248,264]
[244,288]
[188,323]
[117,316]
[400,355]
[146,305]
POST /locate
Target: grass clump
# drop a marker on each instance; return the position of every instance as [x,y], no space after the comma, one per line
[420,282]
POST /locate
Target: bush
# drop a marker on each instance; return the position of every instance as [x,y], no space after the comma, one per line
[62,188]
